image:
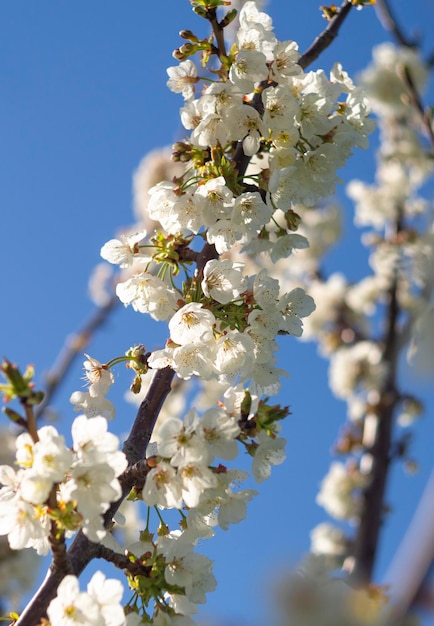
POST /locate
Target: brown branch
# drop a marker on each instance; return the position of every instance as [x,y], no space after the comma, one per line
[61,562]
[378,456]
[134,568]
[416,103]
[218,31]
[378,453]
[324,40]
[83,551]
[140,435]
[378,446]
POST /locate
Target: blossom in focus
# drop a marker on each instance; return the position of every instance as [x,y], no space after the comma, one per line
[99,377]
[123,253]
[182,79]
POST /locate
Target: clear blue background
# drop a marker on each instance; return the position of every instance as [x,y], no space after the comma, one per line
[82,98]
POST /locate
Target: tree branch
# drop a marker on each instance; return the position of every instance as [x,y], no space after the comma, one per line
[390,23]
[413,558]
[377,457]
[378,452]
[326,37]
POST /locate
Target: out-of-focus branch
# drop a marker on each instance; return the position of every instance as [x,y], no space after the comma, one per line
[389,22]
[378,448]
[377,458]
[416,102]
[413,558]
[74,346]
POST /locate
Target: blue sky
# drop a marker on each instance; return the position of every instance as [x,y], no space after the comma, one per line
[83,97]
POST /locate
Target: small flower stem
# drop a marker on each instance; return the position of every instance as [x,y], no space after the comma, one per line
[123,562]
[31,421]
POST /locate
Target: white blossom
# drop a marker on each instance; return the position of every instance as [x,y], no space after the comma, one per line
[148,294]
[223,280]
[182,79]
[179,441]
[163,487]
[107,594]
[72,606]
[340,492]
[191,324]
[270,451]
[99,377]
[92,407]
[219,431]
[124,253]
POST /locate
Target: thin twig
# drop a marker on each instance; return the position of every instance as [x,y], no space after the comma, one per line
[389,22]
[416,102]
[324,40]
[134,568]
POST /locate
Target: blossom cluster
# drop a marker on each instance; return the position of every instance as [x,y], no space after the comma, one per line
[310,596]
[99,605]
[226,326]
[93,401]
[298,121]
[224,319]
[80,481]
[348,322]
[185,472]
[200,345]
[296,129]
[187,448]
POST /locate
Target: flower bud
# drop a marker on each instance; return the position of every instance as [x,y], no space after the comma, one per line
[187,34]
[228,18]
